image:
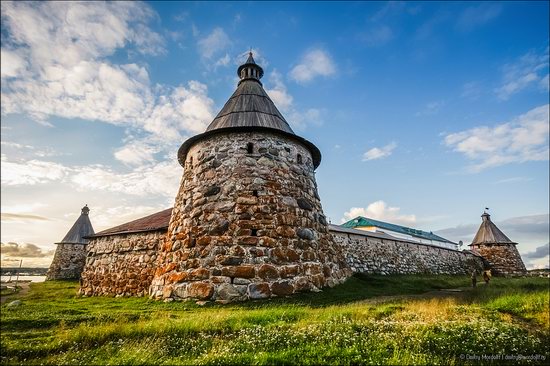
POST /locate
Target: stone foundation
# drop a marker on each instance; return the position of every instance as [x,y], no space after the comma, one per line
[369,254]
[504,259]
[121,265]
[247,223]
[67,262]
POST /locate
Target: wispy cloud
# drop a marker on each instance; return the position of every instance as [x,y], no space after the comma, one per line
[315,62]
[513,180]
[6,216]
[477,15]
[530,71]
[214,43]
[380,210]
[376,35]
[379,152]
[297,118]
[431,108]
[525,138]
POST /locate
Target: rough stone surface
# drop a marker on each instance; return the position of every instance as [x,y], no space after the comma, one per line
[68,262]
[245,220]
[367,254]
[504,259]
[122,265]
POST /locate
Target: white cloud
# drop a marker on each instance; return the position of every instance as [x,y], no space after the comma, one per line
[158,179]
[223,61]
[278,93]
[529,71]
[316,62]
[297,118]
[379,210]
[136,153]
[161,179]
[12,64]
[214,43]
[31,172]
[379,152]
[475,16]
[68,73]
[523,139]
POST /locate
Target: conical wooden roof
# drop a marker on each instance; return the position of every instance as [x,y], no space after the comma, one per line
[489,233]
[250,106]
[81,228]
[249,109]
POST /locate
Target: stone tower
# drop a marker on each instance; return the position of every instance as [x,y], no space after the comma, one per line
[497,249]
[70,254]
[247,221]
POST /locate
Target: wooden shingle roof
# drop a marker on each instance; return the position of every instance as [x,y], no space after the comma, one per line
[250,106]
[80,229]
[489,233]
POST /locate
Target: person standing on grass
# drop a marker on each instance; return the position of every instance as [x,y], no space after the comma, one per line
[474,279]
[487,276]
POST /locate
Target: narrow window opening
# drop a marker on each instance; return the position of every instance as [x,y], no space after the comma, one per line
[191,161]
[299,159]
[255,193]
[250,148]
[254,232]
[184,202]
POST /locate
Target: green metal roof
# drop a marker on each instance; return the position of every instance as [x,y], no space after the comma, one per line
[361,221]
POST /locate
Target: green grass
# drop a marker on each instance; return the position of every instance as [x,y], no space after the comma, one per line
[364,321]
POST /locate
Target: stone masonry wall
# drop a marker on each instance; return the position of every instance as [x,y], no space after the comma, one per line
[504,259]
[368,254]
[67,262]
[247,224]
[121,265]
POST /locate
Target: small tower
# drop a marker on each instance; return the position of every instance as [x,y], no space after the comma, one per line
[247,221]
[70,254]
[497,249]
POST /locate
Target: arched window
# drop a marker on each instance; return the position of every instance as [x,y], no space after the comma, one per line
[299,159]
[250,148]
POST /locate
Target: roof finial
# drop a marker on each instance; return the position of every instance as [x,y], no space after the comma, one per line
[85,210]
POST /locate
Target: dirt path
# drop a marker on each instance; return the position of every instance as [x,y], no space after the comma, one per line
[24,285]
[450,292]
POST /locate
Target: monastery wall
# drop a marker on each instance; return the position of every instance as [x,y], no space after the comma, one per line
[122,264]
[67,262]
[373,255]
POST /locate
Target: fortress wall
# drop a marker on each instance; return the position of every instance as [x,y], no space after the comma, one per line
[122,264]
[67,262]
[369,254]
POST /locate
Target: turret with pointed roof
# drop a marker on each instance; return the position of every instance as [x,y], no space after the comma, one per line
[501,252]
[247,221]
[70,254]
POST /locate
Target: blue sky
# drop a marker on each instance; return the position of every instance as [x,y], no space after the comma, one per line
[425,112]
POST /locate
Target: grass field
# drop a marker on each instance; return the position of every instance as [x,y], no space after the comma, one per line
[368,320]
